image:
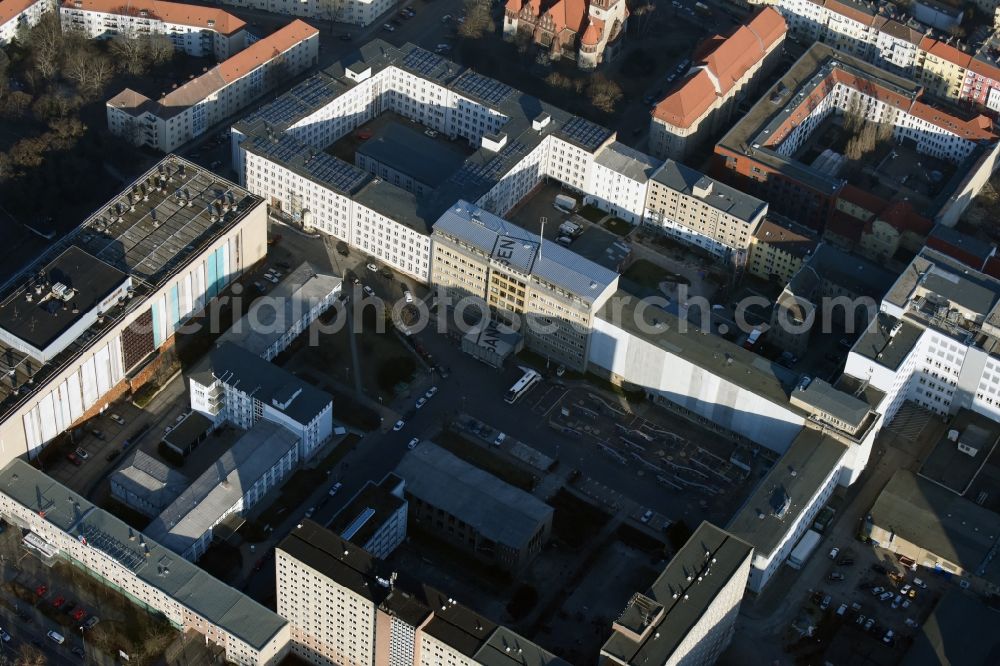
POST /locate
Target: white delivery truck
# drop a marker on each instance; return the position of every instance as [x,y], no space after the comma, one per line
[564,203]
[803,549]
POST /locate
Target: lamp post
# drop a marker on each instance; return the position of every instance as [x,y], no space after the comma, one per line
[84,640]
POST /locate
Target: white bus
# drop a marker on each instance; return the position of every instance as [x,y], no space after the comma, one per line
[522,386]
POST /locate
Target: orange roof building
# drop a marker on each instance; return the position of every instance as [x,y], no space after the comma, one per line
[585,30]
[15,13]
[723,74]
[223,90]
[217,33]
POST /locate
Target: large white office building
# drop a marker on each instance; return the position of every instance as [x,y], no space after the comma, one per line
[515,143]
[346,608]
[234,385]
[257,463]
[82,323]
[197,105]
[688,614]
[935,340]
[195,30]
[15,14]
[70,528]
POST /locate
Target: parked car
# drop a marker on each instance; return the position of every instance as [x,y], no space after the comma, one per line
[97,433]
[845,561]
[346,37]
[398,425]
[117,419]
[59,602]
[910,622]
[114,454]
[646,517]
[431,133]
[885,596]
[83,455]
[499,439]
[919,583]
[407,296]
[877,591]
[388,28]
[372,267]
[836,577]
[91,622]
[842,610]
[335,489]
[431,392]
[420,402]
[4,636]
[889,638]
[834,552]
[73,459]
[827,600]
[41,590]
[310,511]
[368,291]
[413,443]
[869,624]
[78,651]
[78,615]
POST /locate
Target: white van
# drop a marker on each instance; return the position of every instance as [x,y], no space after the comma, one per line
[56,638]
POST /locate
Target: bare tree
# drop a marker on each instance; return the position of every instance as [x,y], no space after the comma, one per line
[44,42]
[28,655]
[86,66]
[643,15]
[159,49]
[129,52]
[478,19]
[604,93]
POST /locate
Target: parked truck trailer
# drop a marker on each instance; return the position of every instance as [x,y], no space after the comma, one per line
[804,549]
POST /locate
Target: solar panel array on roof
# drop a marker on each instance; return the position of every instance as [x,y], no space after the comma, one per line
[483,88]
[585,133]
[491,171]
[422,62]
[336,172]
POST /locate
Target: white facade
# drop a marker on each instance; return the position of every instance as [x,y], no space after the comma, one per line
[330,624]
[679,378]
[17,13]
[355,12]
[194,30]
[765,565]
[195,107]
[145,583]
[79,388]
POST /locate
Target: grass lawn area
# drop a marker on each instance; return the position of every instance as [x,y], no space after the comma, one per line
[617,225]
[591,213]
[486,460]
[647,274]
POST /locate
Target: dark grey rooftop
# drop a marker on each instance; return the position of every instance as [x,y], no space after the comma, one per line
[685,590]
[336,558]
[961,630]
[981,250]
[271,316]
[722,197]
[162,569]
[505,648]
[939,521]
[145,476]
[716,354]
[512,245]
[395,203]
[367,511]
[151,244]
[265,381]
[628,161]
[501,512]
[878,343]
[850,272]
[42,319]
[602,247]
[955,469]
[400,147]
[796,477]
[222,486]
[824,397]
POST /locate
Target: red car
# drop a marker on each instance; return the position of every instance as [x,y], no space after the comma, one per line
[73,459]
[41,590]
[58,602]
[78,615]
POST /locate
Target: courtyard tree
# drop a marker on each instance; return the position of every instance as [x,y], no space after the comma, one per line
[478,19]
[604,93]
